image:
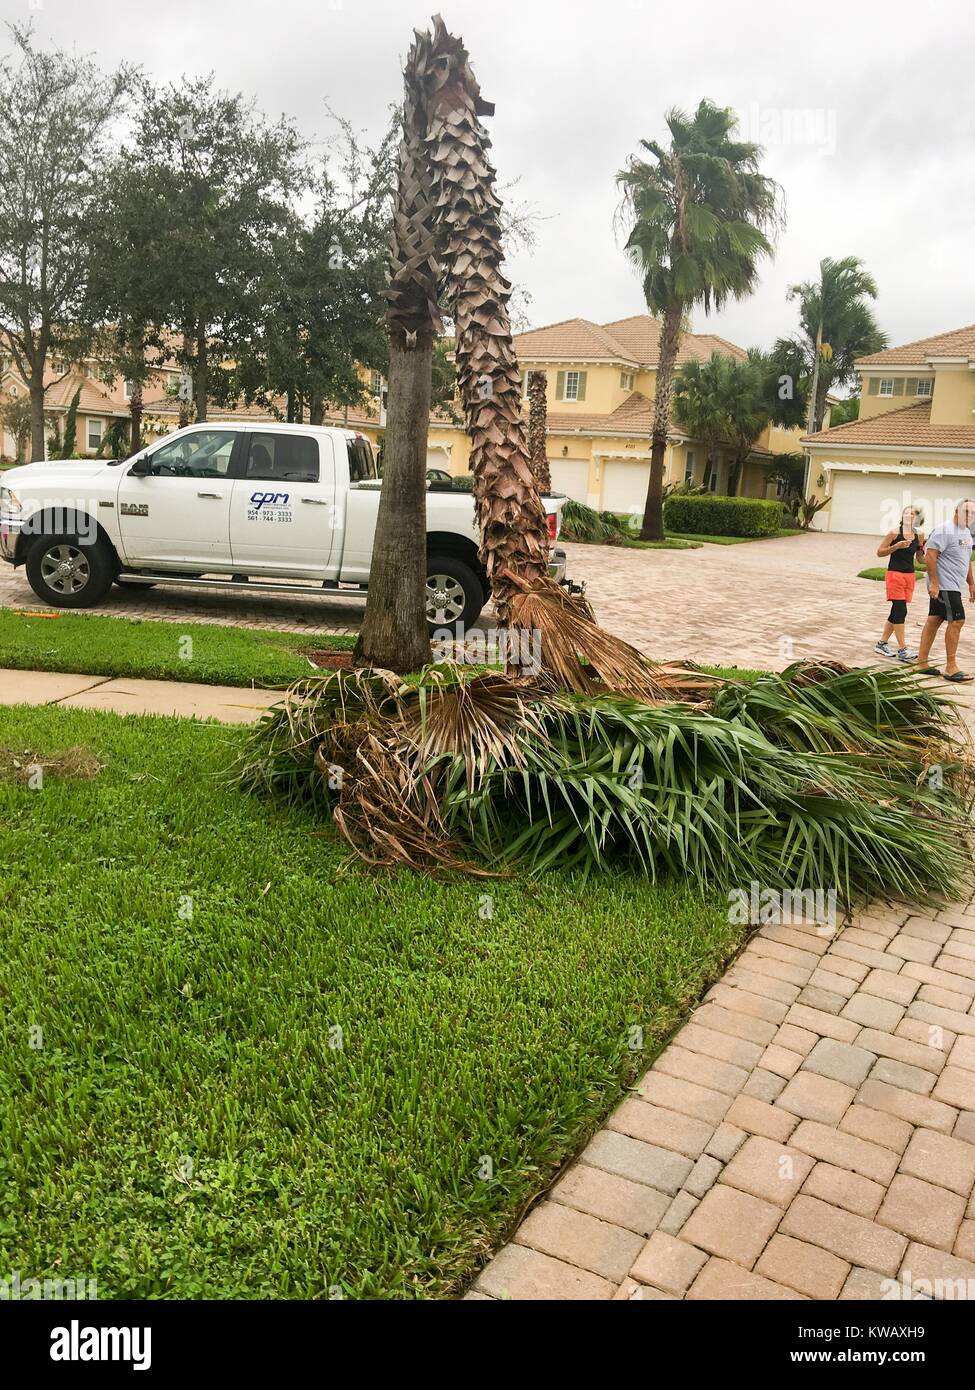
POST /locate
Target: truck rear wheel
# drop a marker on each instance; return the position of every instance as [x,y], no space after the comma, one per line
[68,572]
[455,594]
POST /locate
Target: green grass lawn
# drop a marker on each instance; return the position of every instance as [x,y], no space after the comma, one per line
[98,646]
[731,540]
[880,572]
[185,1130]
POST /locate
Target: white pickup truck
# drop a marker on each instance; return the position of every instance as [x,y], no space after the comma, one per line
[235,506]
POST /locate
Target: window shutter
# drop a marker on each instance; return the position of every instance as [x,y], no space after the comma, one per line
[560,386]
[910,386]
[874,386]
[582,386]
[898,386]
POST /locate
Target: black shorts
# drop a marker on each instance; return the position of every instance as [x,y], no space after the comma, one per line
[948,605]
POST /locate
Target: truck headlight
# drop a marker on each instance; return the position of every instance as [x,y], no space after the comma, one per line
[9,501]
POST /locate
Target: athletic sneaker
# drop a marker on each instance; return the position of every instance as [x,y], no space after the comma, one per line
[906,654]
[882,649]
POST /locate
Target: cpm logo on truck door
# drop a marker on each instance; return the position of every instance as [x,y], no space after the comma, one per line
[270,506]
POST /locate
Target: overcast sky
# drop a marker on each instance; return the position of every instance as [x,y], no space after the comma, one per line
[866,112]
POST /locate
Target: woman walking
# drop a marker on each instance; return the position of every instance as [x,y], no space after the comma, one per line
[901,546]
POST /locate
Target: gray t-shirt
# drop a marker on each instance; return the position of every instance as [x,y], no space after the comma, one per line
[954,546]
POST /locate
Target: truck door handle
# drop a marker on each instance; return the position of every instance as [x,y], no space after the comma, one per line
[316,501]
[209,494]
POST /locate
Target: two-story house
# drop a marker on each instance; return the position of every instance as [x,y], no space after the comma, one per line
[914,442]
[601,381]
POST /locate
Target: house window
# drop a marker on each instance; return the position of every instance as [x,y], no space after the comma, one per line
[127,390]
[626,381]
[886,386]
[572,386]
[95,428]
[376,383]
[924,388]
[689,466]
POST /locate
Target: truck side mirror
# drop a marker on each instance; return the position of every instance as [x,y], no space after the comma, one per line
[140,467]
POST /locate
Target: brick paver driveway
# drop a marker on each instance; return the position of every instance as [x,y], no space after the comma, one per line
[809,1133]
[762,604]
[756,605]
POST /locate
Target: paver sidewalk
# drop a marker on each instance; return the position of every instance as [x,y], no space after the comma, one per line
[227,703]
[809,1133]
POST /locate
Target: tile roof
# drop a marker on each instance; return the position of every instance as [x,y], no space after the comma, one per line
[909,427]
[94,399]
[960,342]
[635,340]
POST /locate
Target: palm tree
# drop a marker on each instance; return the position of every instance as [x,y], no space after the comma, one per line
[746,409]
[699,398]
[537,429]
[514,530]
[701,210]
[837,326]
[394,632]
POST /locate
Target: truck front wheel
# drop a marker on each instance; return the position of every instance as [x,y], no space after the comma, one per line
[68,572]
[455,594]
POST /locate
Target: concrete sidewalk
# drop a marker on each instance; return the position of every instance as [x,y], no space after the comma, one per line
[227,703]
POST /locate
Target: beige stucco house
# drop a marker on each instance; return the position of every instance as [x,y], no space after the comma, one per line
[914,442]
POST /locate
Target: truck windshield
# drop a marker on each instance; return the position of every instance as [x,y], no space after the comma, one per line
[362,465]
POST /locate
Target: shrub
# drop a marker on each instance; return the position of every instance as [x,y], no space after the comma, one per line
[722,516]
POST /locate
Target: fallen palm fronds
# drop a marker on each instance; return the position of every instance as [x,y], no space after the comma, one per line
[761,781]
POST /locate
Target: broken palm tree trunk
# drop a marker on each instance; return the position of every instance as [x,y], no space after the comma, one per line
[394,632]
[512,521]
[538,429]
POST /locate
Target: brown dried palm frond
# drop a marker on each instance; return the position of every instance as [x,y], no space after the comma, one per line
[482,719]
[578,653]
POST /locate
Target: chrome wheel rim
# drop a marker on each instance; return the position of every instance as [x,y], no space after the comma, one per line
[65,569]
[445,599]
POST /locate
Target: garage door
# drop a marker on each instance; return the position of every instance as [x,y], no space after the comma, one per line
[871,503]
[571,476]
[625,485]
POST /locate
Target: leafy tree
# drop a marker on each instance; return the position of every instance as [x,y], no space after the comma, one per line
[324,290]
[70,435]
[220,180]
[15,417]
[700,213]
[843,411]
[837,326]
[129,281]
[56,115]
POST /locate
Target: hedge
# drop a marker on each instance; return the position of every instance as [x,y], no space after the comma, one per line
[722,516]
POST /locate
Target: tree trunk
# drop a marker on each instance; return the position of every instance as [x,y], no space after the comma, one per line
[653,513]
[37,440]
[511,517]
[200,376]
[538,429]
[135,412]
[814,414]
[394,632]
[316,411]
[184,395]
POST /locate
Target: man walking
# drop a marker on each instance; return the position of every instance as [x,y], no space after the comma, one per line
[948,558]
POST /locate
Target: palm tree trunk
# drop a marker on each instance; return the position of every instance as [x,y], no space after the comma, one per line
[514,531]
[653,512]
[814,415]
[394,630]
[135,414]
[537,429]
